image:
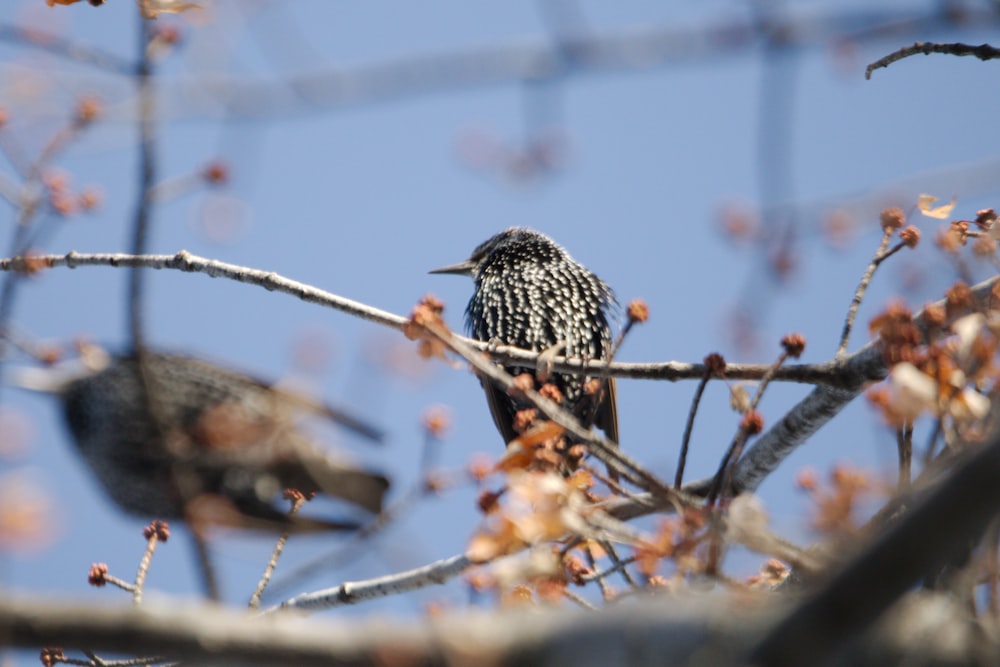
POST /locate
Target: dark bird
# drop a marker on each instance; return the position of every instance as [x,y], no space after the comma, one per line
[531,294]
[179,438]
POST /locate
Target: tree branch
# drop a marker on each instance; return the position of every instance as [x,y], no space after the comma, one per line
[834,373]
[687,629]
[983,52]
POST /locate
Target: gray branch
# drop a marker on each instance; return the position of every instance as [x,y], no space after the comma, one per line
[823,373]
[921,630]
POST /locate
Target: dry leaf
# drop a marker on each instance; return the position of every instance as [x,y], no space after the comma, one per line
[150,9]
[925,203]
[739,397]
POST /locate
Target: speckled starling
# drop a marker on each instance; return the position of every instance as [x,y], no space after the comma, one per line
[531,294]
[179,438]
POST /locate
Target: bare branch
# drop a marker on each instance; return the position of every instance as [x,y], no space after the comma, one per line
[953,515]
[52,43]
[821,405]
[983,52]
[352,592]
[859,293]
[833,373]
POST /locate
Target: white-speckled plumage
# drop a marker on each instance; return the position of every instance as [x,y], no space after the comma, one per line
[531,294]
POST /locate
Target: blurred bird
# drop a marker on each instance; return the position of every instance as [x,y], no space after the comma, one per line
[174,437]
[531,294]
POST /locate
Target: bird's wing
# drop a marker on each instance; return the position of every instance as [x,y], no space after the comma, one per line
[502,410]
[607,411]
[325,410]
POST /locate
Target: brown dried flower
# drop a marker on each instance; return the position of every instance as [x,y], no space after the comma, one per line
[752,422]
[715,365]
[958,299]
[88,109]
[51,656]
[638,311]
[892,218]
[98,574]
[985,246]
[985,218]
[794,344]
[158,528]
[934,315]
[436,420]
[216,173]
[910,236]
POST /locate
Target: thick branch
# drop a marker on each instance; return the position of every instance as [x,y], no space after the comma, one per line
[955,514]
[822,404]
[703,629]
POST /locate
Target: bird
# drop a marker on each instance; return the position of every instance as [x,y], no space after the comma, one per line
[530,293]
[171,436]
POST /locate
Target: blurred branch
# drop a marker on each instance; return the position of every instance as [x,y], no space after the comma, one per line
[49,42]
[516,61]
[953,515]
[835,373]
[545,58]
[147,177]
[707,629]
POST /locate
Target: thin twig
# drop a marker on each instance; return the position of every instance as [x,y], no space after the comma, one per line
[96,660]
[155,532]
[406,501]
[723,477]
[352,592]
[983,52]
[126,586]
[579,600]
[859,293]
[604,574]
[688,428]
[52,43]
[616,559]
[617,489]
[29,202]
[279,546]
[606,593]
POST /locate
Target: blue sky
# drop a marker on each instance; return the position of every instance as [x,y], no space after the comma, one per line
[363,201]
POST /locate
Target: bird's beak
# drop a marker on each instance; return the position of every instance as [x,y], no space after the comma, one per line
[461,269]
